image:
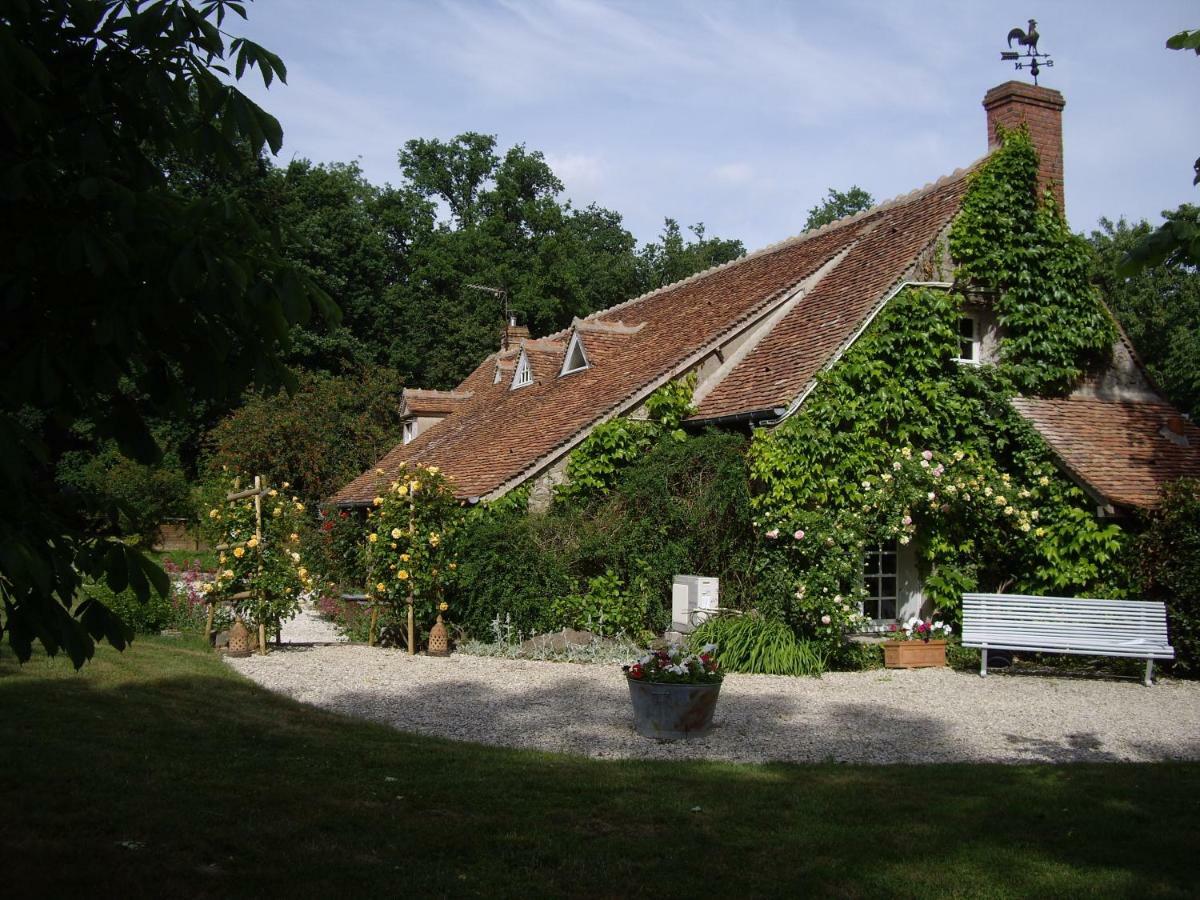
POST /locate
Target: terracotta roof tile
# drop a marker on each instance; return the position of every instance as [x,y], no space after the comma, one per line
[1117,448]
[417,401]
[783,363]
[500,435]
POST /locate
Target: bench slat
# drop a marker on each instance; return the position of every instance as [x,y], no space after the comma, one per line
[1075,625]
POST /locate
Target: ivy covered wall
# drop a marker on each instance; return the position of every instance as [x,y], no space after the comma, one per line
[900,441]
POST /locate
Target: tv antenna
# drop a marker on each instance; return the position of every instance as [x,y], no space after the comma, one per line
[509,318]
[1031,59]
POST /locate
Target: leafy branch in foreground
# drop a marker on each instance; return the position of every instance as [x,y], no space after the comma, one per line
[124,298]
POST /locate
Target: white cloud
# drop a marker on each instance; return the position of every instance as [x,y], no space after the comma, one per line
[578,171]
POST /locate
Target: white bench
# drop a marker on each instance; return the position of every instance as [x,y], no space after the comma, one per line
[1076,625]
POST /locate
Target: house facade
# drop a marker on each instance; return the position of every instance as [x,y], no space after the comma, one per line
[755,334]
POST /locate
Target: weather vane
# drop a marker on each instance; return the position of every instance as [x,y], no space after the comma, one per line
[1031,58]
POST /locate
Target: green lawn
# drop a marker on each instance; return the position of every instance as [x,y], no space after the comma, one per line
[158,772]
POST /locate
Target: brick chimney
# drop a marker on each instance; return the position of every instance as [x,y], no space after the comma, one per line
[1040,108]
[511,333]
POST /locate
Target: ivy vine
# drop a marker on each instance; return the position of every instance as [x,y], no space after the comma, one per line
[1014,244]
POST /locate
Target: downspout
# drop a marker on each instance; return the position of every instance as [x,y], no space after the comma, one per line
[752,418]
[795,404]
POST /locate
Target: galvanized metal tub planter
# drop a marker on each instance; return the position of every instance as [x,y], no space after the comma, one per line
[672,712]
[914,654]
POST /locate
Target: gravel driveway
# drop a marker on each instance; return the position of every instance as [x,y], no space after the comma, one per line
[913,716]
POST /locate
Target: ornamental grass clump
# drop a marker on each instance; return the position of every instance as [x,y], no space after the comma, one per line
[677,665]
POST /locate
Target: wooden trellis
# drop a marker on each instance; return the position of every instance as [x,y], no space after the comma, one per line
[257,492]
[374,601]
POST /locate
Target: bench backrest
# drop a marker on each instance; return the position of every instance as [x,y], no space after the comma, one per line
[1055,621]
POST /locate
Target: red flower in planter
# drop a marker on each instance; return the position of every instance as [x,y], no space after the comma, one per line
[635,671]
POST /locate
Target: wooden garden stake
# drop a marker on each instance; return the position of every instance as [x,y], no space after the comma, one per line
[262,626]
[412,527]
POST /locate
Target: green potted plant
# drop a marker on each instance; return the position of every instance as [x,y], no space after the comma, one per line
[674,692]
[919,643]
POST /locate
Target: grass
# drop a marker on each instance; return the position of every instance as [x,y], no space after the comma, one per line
[184,558]
[159,772]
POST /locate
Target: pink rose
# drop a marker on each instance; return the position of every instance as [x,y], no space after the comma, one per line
[773,533]
[927,454]
[825,620]
[907,520]
[799,535]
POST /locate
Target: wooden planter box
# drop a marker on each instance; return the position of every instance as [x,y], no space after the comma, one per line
[914,654]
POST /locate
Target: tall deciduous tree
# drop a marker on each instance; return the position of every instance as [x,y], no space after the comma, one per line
[123,295]
[1159,306]
[837,205]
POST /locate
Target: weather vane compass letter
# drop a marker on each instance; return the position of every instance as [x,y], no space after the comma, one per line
[1031,58]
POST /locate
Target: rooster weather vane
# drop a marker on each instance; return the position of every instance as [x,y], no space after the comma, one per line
[1031,58]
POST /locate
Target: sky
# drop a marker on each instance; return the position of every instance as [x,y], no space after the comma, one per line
[737,115]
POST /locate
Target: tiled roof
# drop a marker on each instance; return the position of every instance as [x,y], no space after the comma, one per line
[1124,451]
[420,402]
[500,436]
[783,363]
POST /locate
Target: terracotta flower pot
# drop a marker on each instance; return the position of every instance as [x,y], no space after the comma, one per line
[914,654]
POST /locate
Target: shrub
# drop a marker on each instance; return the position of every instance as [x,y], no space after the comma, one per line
[606,608]
[183,608]
[127,497]
[757,645]
[318,438]
[1167,559]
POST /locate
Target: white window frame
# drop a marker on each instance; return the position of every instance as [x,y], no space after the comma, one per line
[575,345]
[976,340]
[873,580]
[523,375]
[410,431]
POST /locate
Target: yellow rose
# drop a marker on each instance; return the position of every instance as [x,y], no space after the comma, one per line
[293,537]
[415,486]
[277,511]
[402,490]
[404,557]
[378,501]
[372,537]
[221,558]
[214,513]
[285,485]
[402,574]
[453,566]
[299,507]
[394,545]
[252,543]
[272,493]
[433,470]
[239,552]
[228,573]
[396,534]
[434,540]
[302,572]
[381,587]
[443,606]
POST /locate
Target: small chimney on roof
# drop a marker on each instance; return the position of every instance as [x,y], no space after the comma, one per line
[512,333]
[1040,108]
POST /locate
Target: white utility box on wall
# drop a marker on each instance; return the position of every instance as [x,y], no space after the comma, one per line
[693,599]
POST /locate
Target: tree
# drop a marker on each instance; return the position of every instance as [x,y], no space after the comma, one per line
[1177,240]
[838,205]
[1159,306]
[671,259]
[125,297]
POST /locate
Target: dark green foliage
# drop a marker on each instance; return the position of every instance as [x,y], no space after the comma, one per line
[150,617]
[759,646]
[838,205]
[511,568]
[671,259]
[126,497]
[1158,305]
[1166,558]
[1013,244]
[124,295]
[317,438]
[682,507]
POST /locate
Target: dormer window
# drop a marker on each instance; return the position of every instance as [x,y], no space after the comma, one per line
[523,376]
[968,340]
[576,359]
[410,430]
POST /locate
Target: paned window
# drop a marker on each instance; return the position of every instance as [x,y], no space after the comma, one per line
[524,374]
[410,430]
[968,339]
[575,360]
[879,578]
